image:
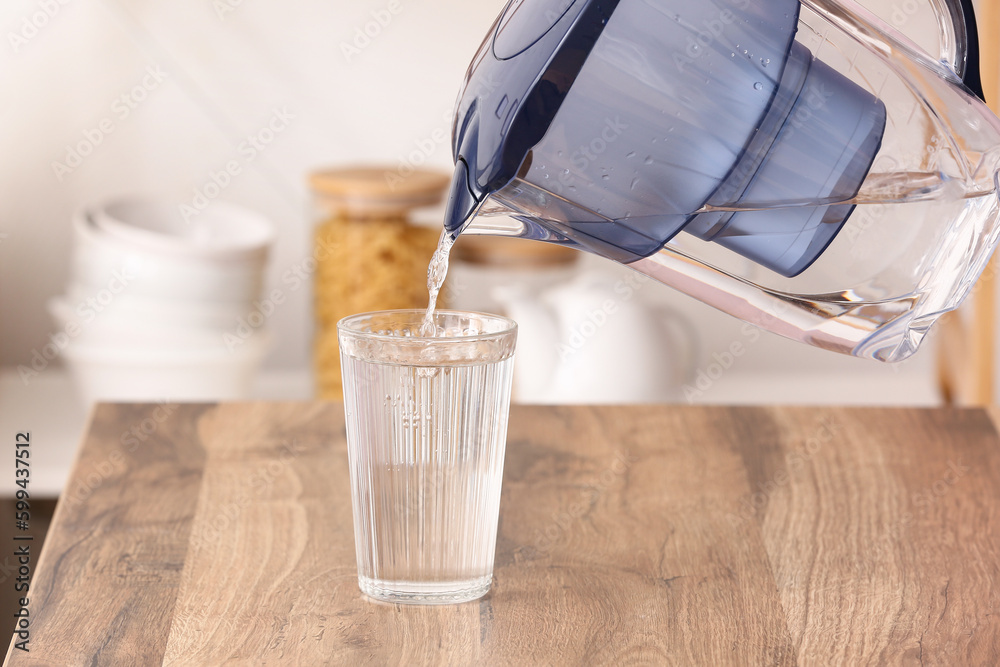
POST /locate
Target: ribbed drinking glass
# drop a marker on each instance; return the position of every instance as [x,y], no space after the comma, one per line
[426,434]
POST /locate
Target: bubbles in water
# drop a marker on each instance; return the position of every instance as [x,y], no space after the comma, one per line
[635,182]
[649,159]
[765,61]
[758,86]
[631,154]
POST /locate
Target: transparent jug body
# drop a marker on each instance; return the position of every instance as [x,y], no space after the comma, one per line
[856,249]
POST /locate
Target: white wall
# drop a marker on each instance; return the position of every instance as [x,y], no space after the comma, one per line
[227,65]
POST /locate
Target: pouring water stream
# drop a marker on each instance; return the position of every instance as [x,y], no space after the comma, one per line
[437,271]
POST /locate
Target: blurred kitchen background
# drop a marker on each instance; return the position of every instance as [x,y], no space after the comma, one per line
[239,101]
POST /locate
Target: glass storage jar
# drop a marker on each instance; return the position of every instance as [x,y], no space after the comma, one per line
[369,253]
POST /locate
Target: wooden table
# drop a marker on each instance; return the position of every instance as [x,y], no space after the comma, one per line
[210,535]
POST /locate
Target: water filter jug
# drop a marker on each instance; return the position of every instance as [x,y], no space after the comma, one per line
[803,165]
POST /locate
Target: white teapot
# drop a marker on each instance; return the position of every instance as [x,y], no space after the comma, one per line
[591,340]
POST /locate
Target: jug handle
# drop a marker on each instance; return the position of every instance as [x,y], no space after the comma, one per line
[971,75]
[687,334]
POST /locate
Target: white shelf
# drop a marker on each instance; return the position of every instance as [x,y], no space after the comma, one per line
[881,387]
[49,408]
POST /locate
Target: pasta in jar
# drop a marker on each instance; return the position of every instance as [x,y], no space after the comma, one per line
[369,255]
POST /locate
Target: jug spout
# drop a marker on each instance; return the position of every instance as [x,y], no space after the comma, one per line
[463,202]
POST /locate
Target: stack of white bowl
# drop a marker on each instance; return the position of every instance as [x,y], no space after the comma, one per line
[157,306]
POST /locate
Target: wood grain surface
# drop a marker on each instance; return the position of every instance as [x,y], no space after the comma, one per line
[628,535]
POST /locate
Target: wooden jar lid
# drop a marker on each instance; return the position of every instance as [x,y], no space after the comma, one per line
[378,191]
[512,252]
